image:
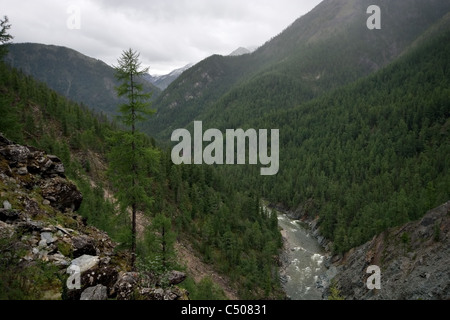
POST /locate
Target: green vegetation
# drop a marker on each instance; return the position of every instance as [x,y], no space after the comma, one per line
[369,156]
[334,293]
[321,51]
[437,232]
[206,289]
[226,226]
[5,37]
[33,283]
[160,240]
[82,79]
[131,159]
[366,150]
[364,136]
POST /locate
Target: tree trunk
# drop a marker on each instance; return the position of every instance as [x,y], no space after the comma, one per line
[134,168]
[163,235]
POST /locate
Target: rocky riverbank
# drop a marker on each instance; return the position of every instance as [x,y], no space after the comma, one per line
[414,260]
[303,274]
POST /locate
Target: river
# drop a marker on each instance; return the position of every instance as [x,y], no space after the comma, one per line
[304,261]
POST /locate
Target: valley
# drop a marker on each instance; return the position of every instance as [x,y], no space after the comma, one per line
[359,121]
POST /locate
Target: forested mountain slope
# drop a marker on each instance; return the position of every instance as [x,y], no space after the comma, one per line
[226,227]
[328,47]
[80,78]
[368,156]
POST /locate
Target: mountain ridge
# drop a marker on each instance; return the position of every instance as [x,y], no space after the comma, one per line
[80,78]
[327,48]
[163,81]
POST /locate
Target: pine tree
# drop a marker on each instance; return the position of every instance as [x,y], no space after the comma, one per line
[160,240]
[131,156]
[5,37]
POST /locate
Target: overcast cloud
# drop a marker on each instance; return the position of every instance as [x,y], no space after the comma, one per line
[168,33]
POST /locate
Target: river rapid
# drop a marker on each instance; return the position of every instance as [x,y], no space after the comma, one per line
[303,261]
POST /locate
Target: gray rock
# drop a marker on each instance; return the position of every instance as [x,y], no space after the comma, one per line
[46,202]
[59,260]
[125,285]
[65,193]
[15,153]
[59,168]
[22,171]
[98,292]
[64,230]
[30,226]
[7,205]
[42,243]
[83,245]
[48,237]
[86,262]
[176,277]
[158,294]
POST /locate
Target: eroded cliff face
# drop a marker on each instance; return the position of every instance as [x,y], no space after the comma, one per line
[43,240]
[414,260]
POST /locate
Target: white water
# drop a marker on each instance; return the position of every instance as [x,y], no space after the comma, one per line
[305,263]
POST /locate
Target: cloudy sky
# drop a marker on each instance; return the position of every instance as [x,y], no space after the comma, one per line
[168,33]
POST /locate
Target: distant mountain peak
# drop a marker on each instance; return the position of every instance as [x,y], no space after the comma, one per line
[163,81]
[240,51]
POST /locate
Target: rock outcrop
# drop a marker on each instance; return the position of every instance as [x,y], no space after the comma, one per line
[414,260]
[40,229]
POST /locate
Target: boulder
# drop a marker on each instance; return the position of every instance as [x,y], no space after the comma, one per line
[64,192]
[30,226]
[22,171]
[15,153]
[125,285]
[98,292]
[7,205]
[83,245]
[59,260]
[85,263]
[175,277]
[105,275]
[47,237]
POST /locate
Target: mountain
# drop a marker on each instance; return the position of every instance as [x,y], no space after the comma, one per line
[324,49]
[363,114]
[369,155]
[240,51]
[78,77]
[162,82]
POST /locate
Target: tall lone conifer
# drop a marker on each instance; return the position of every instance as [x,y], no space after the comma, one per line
[130,157]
